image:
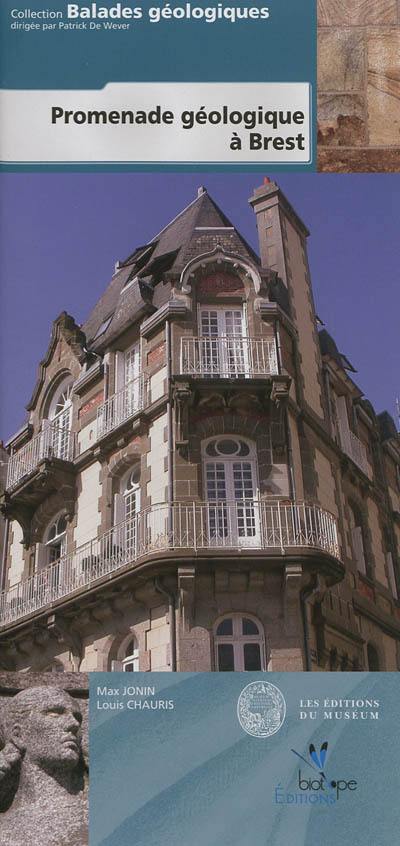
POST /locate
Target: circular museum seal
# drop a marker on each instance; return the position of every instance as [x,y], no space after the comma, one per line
[261,709]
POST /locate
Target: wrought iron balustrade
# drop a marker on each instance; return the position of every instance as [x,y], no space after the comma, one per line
[122,405]
[53,442]
[356,450]
[227,356]
[193,526]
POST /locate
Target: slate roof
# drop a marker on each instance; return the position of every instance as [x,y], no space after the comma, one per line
[195,230]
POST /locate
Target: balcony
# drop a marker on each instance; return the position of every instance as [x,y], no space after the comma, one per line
[356,450]
[122,406]
[230,356]
[54,442]
[191,527]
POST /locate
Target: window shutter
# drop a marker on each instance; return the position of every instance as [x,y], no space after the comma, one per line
[391,574]
[41,557]
[116,666]
[119,371]
[343,423]
[358,547]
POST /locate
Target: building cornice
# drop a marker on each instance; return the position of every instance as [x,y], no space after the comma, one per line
[171,310]
[369,609]
[91,375]
[20,437]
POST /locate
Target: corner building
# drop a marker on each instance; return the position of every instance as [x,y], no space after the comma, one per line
[201,485]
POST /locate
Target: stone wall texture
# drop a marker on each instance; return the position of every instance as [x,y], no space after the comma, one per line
[358,85]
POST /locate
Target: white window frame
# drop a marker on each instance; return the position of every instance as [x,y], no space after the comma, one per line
[218,347]
[60,538]
[58,436]
[130,659]
[126,537]
[233,518]
[238,640]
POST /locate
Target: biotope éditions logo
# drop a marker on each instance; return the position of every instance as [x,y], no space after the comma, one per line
[261,709]
[311,790]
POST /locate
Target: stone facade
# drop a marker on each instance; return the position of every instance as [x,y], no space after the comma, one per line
[200,484]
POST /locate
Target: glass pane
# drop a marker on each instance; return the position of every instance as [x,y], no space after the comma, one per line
[244,448]
[249,628]
[225,627]
[128,668]
[209,323]
[130,649]
[252,656]
[225,657]
[61,526]
[227,447]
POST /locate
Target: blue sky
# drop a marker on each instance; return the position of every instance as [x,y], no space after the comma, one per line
[61,234]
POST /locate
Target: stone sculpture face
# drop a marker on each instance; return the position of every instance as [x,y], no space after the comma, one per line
[42,771]
[46,723]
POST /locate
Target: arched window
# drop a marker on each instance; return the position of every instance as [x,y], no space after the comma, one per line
[56,539]
[61,402]
[239,644]
[126,507]
[373,658]
[230,481]
[56,430]
[130,661]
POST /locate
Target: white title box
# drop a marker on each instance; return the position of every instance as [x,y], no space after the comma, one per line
[211,123]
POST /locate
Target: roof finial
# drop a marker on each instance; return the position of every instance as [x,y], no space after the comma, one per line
[201,190]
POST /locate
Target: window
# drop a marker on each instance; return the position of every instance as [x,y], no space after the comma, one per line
[127,382]
[56,434]
[130,661]
[231,491]
[373,658]
[126,507]
[224,351]
[56,539]
[131,361]
[103,327]
[392,575]
[127,656]
[357,539]
[239,644]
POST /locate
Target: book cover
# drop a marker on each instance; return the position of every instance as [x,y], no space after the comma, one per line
[200,456]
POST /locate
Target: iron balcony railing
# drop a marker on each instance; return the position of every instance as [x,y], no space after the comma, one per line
[53,442]
[122,405]
[228,356]
[356,450]
[192,526]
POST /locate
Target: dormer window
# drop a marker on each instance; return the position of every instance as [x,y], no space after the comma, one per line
[103,327]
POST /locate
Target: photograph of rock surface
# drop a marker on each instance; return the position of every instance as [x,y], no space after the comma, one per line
[358,85]
[43,759]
